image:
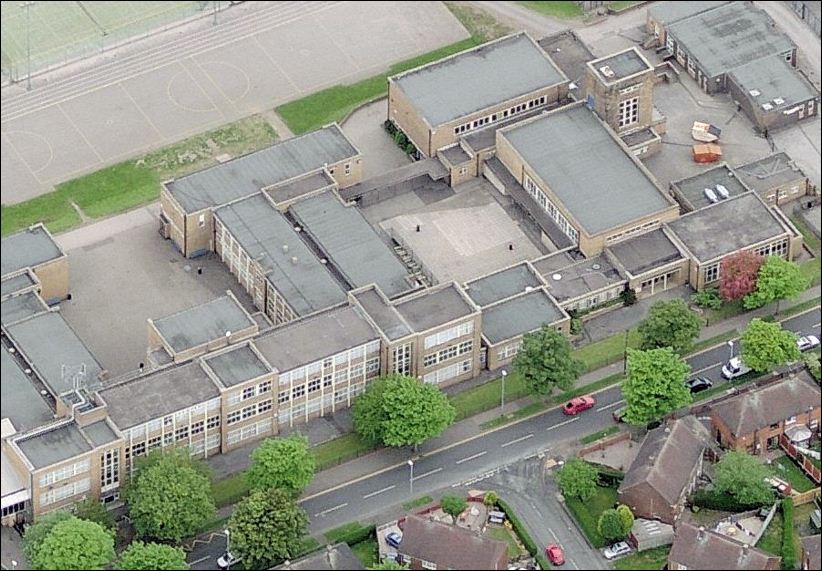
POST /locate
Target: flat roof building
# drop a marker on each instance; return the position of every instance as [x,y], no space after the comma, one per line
[580,284]
[651,262]
[577,170]
[436,103]
[21,403]
[503,284]
[663,14]
[35,250]
[18,307]
[691,192]
[775,178]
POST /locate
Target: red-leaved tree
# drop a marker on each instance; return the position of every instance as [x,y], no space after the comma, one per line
[737,274]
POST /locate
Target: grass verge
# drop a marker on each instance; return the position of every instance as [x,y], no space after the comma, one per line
[366,552]
[487,395]
[479,23]
[785,468]
[230,490]
[655,558]
[502,534]
[587,513]
[407,506]
[556,9]
[800,307]
[340,533]
[334,103]
[715,340]
[617,6]
[608,350]
[808,236]
[599,435]
[339,450]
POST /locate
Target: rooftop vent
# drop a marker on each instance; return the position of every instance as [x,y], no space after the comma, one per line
[323,261]
[767,106]
[711,195]
[722,191]
[285,248]
[607,71]
[596,266]
[297,229]
[754,93]
[294,260]
[556,277]
[228,333]
[778,101]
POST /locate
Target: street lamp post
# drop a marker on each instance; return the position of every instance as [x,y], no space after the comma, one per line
[27,6]
[731,345]
[504,374]
[228,546]
[411,478]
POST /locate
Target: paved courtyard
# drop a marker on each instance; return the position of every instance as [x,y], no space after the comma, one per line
[186,81]
[364,128]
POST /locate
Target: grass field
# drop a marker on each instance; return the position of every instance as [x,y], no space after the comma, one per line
[655,558]
[503,534]
[555,9]
[132,183]
[479,23]
[785,468]
[419,502]
[607,351]
[366,552]
[64,30]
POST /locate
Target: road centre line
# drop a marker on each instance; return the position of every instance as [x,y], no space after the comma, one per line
[703,369]
[477,455]
[563,423]
[520,439]
[329,510]
[434,471]
[613,404]
[372,494]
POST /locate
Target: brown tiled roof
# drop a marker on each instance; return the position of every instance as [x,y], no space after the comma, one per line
[813,550]
[768,405]
[667,456]
[710,550]
[449,546]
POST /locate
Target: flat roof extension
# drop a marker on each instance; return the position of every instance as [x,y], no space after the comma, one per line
[648,251]
[236,366]
[28,249]
[771,79]
[519,315]
[17,283]
[692,189]
[55,445]
[502,284]
[618,66]
[478,78]
[768,172]
[583,163]
[385,316]
[434,307]
[20,401]
[20,307]
[203,323]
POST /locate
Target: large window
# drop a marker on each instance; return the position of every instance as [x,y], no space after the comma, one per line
[448,372]
[109,469]
[402,359]
[774,249]
[628,111]
[448,334]
[711,273]
[542,199]
[67,471]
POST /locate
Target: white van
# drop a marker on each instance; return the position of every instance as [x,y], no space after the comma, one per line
[734,368]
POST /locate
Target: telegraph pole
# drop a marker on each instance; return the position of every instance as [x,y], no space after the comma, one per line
[27,6]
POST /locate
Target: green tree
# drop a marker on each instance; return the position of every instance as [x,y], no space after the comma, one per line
[490,498]
[388,564]
[147,556]
[627,517]
[766,345]
[545,361]
[577,479]
[285,463]
[777,279]
[669,324]
[453,506]
[92,509]
[169,496]
[75,543]
[743,477]
[610,526]
[707,298]
[655,385]
[266,526]
[398,410]
[811,361]
[35,533]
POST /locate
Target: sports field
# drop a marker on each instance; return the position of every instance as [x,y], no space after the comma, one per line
[61,31]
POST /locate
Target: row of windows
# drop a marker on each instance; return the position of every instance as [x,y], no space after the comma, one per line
[14,508]
[660,281]
[248,411]
[63,492]
[448,353]
[211,442]
[402,359]
[542,199]
[65,472]
[449,372]
[596,299]
[774,249]
[171,420]
[276,307]
[140,448]
[341,394]
[451,333]
[613,238]
[356,372]
[340,359]
[109,468]
[499,115]
[250,392]
[238,261]
[249,431]
[509,351]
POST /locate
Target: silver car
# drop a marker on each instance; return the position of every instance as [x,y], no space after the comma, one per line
[616,550]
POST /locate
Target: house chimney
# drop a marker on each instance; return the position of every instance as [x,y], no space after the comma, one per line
[701,535]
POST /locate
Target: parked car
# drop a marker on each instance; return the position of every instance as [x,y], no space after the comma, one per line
[226,560]
[578,404]
[495,516]
[393,539]
[734,368]
[807,342]
[555,554]
[616,550]
[699,384]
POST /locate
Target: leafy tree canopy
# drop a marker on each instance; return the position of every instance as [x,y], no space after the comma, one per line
[655,385]
[766,346]
[669,324]
[75,543]
[577,479]
[147,556]
[545,361]
[285,463]
[743,476]
[777,279]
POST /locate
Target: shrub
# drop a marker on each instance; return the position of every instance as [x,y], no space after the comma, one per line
[576,326]
[519,529]
[400,139]
[788,544]
[811,361]
[410,148]
[389,126]
[357,535]
[490,498]
[707,298]
[628,296]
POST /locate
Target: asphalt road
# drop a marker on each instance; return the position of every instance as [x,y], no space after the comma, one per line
[486,456]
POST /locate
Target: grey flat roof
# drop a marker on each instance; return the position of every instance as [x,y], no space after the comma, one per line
[250,173]
[18,282]
[478,78]
[53,446]
[203,323]
[100,433]
[725,227]
[693,188]
[645,252]
[237,366]
[21,306]
[674,10]
[499,285]
[519,315]
[769,172]
[157,394]
[301,186]
[49,343]
[20,401]
[27,249]
[433,308]
[385,316]
[773,78]
[430,167]
[486,137]
[582,278]
[556,261]
[568,52]
[455,155]
[351,243]
[584,165]
[622,65]
[729,36]
[305,284]
[312,339]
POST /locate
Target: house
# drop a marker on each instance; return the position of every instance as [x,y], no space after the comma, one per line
[776,178]
[754,420]
[435,545]
[333,558]
[697,548]
[811,552]
[665,470]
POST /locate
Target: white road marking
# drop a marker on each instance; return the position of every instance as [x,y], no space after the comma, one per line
[372,494]
[563,423]
[329,510]
[816,325]
[574,565]
[613,404]
[421,476]
[520,439]
[477,455]
[554,535]
[703,369]
[200,560]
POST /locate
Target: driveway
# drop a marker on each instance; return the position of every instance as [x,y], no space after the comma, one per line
[364,128]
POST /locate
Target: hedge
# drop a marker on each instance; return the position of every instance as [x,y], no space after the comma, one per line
[609,477]
[519,528]
[788,544]
[723,502]
[357,534]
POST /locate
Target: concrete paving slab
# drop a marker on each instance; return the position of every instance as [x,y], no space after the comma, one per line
[364,128]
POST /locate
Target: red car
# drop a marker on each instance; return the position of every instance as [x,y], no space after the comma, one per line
[578,404]
[555,554]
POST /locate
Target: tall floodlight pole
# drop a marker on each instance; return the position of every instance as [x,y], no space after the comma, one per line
[214,4]
[503,374]
[411,478]
[27,6]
